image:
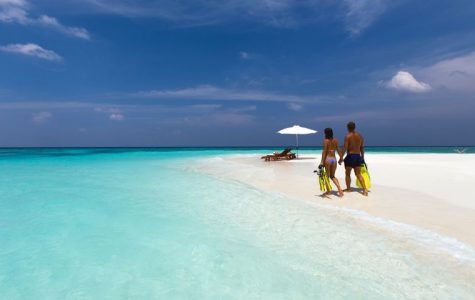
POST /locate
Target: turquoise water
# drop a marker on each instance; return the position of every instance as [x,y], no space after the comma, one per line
[218,150]
[143,224]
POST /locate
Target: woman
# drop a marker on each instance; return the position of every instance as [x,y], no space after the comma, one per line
[330,146]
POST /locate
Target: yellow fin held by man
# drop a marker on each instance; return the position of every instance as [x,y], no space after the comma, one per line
[324,181]
[366,177]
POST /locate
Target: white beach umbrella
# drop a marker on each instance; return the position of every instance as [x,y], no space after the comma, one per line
[297,130]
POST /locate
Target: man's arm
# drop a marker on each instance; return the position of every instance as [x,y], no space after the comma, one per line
[343,150]
[362,148]
[338,149]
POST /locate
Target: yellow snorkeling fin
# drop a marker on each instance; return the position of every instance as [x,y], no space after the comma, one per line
[324,181]
[321,183]
[366,177]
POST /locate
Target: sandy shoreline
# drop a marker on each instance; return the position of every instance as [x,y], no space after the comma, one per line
[431,191]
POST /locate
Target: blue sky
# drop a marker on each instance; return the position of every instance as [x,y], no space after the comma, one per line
[232,73]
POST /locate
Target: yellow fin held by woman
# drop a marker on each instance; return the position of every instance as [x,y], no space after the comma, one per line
[324,181]
[366,177]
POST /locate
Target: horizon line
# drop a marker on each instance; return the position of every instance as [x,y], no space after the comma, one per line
[204,147]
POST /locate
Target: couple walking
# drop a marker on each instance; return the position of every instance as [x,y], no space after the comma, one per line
[354,150]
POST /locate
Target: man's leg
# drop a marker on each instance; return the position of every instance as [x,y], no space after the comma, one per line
[361,180]
[348,178]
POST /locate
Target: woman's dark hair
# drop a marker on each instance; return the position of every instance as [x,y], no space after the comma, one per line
[329,133]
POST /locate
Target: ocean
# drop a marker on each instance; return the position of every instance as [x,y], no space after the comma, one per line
[142,223]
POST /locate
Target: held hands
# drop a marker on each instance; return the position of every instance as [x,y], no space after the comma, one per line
[340,161]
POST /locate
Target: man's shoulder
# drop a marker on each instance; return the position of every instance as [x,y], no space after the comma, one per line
[354,136]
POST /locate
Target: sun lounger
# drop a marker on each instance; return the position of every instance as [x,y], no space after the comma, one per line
[286,154]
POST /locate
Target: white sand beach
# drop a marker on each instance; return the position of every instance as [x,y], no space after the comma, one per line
[431,191]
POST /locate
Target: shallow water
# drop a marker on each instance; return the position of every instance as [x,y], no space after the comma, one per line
[121,224]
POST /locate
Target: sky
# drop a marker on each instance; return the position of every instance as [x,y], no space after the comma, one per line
[233,72]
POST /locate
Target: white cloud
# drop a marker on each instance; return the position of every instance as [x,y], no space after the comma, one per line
[219,118]
[357,15]
[13,2]
[116,117]
[244,55]
[13,11]
[110,110]
[360,14]
[232,118]
[437,110]
[42,117]
[115,114]
[44,105]
[31,50]
[55,24]
[456,73]
[209,92]
[295,106]
[16,11]
[405,81]
[205,12]
[196,114]
[171,114]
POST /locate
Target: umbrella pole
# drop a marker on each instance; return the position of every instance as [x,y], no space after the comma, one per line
[297,138]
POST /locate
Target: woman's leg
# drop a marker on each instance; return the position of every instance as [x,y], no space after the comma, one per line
[335,180]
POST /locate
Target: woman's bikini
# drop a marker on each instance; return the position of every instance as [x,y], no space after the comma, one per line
[331,159]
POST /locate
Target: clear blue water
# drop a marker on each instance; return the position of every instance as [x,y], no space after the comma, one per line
[141,224]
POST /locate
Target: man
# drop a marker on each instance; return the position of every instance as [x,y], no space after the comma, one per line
[354,145]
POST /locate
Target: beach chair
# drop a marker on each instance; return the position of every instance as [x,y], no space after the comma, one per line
[286,154]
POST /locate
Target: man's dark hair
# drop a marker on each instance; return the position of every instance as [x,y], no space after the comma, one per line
[328,133]
[351,126]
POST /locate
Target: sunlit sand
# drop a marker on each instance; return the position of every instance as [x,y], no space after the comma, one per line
[432,191]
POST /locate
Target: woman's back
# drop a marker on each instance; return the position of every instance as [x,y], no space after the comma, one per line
[329,158]
[332,146]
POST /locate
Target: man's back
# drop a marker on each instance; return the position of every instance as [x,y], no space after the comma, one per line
[354,142]
[354,148]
